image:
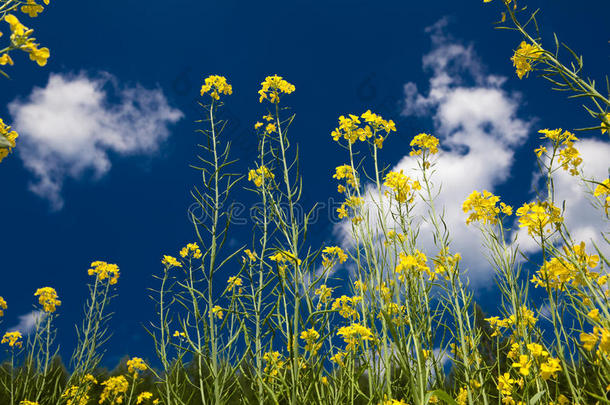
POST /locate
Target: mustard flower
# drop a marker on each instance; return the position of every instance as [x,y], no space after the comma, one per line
[179,334]
[332,255]
[602,189]
[5,59]
[324,293]
[345,172]
[257,125]
[3,306]
[259,175]
[505,384]
[114,390]
[537,351]
[217,311]
[354,335]
[12,338]
[416,262]
[105,271]
[47,297]
[462,397]
[5,130]
[170,261]
[524,56]
[346,306]
[31,8]
[274,363]
[217,85]
[482,208]
[536,217]
[311,336]
[251,256]
[523,365]
[550,368]
[75,395]
[402,186]
[606,125]
[145,396]
[424,143]
[338,358]
[26,402]
[281,258]
[272,87]
[136,364]
[192,250]
[233,282]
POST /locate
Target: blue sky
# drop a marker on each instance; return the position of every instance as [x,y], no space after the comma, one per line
[118,189]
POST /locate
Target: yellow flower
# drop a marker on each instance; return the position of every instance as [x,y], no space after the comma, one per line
[425,143]
[270,128]
[524,56]
[594,314]
[338,358]
[31,8]
[26,402]
[76,395]
[537,351]
[16,27]
[332,255]
[505,384]
[324,293]
[217,85]
[483,207]
[258,125]
[114,389]
[417,263]
[6,59]
[47,297]
[346,305]
[550,368]
[324,380]
[259,175]
[523,365]
[346,172]
[233,282]
[179,334]
[272,87]
[170,261]
[402,186]
[136,364]
[602,189]
[462,397]
[274,363]
[606,125]
[311,336]
[536,217]
[217,311]
[104,271]
[3,306]
[11,136]
[355,334]
[281,257]
[143,397]
[251,256]
[191,249]
[12,338]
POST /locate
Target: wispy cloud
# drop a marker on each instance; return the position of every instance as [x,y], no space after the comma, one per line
[476,120]
[27,322]
[69,128]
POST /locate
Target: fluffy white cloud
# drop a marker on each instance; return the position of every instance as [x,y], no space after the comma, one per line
[477,123]
[69,127]
[28,321]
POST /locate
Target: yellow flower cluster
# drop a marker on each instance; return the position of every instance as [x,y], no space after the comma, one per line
[12,338]
[136,364]
[524,56]
[274,363]
[272,87]
[47,297]
[32,8]
[20,39]
[179,334]
[349,128]
[170,261]
[338,358]
[536,217]
[259,175]
[602,189]
[26,402]
[311,336]
[281,257]
[402,186]
[346,306]
[569,157]
[104,271]
[526,318]
[324,293]
[559,273]
[483,207]
[393,402]
[79,395]
[446,264]
[354,335]
[191,250]
[5,132]
[599,335]
[3,306]
[345,172]
[233,282]
[114,389]
[251,256]
[424,143]
[352,202]
[217,85]
[416,262]
[217,311]
[606,125]
[146,396]
[332,255]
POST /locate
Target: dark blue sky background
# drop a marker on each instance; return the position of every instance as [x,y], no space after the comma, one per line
[342,56]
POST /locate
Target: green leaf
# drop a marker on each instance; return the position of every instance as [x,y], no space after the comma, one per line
[440,394]
[537,397]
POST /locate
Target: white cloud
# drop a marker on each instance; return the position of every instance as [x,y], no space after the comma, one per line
[477,124]
[27,322]
[69,128]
